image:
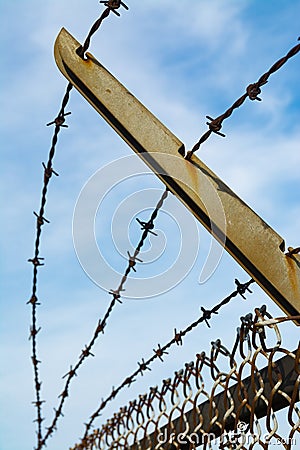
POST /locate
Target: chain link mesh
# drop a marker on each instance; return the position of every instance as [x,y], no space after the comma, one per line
[226,398]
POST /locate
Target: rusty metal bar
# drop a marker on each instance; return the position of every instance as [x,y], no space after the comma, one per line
[250,240]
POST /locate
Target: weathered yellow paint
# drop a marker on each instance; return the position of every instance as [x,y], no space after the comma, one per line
[251,241]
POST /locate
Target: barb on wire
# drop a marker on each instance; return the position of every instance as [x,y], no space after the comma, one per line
[37,262]
[162,350]
[293,251]
[59,120]
[86,352]
[252,91]
[113,5]
[210,398]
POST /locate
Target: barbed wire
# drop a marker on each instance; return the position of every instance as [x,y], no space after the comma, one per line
[252,91]
[37,260]
[147,228]
[232,402]
[207,314]
[111,6]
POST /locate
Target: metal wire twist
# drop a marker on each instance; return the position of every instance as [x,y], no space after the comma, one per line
[37,260]
[252,91]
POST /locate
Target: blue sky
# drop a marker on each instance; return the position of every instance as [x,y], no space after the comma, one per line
[183,63]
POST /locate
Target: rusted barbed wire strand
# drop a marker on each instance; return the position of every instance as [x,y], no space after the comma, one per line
[86,352]
[220,412]
[59,123]
[111,5]
[37,260]
[241,289]
[252,91]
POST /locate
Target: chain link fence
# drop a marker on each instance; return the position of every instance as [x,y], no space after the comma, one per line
[224,399]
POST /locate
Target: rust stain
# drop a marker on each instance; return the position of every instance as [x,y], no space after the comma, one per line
[293,274]
[193,173]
